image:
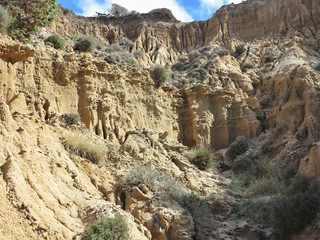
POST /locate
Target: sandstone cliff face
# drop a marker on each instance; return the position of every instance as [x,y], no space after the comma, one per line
[162,38]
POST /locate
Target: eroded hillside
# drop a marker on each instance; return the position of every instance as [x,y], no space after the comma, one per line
[252,70]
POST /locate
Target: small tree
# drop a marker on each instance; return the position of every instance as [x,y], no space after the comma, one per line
[159,74]
[117,10]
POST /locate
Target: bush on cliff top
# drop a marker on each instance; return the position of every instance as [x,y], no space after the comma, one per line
[28,15]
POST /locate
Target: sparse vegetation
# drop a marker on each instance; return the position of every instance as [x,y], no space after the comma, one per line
[255,210]
[28,15]
[112,58]
[267,148]
[80,143]
[74,37]
[71,118]
[107,228]
[238,147]
[155,180]
[202,159]
[297,207]
[289,173]
[159,75]
[248,65]
[126,43]
[264,186]
[4,19]
[131,61]
[241,164]
[269,59]
[85,44]
[138,54]
[221,51]
[239,50]
[263,168]
[57,41]
[163,183]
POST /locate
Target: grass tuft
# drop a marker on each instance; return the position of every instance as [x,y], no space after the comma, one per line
[80,143]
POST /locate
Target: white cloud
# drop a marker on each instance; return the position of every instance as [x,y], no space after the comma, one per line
[208,7]
[234,1]
[89,7]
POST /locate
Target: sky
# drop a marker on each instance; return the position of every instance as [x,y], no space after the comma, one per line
[183,10]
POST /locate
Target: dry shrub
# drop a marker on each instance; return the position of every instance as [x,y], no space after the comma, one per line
[238,147]
[80,143]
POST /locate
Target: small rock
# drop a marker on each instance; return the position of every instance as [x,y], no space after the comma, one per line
[59,164]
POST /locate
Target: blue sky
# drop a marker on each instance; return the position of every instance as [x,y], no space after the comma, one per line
[184,10]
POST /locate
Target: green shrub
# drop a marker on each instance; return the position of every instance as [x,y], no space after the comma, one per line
[29,15]
[269,59]
[238,147]
[248,65]
[114,48]
[221,51]
[267,147]
[298,207]
[241,164]
[85,44]
[255,210]
[289,173]
[75,37]
[193,55]
[199,74]
[131,61]
[239,50]
[263,168]
[293,213]
[159,75]
[107,228]
[202,159]
[300,183]
[57,41]
[264,186]
[179,66]
[4,19]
